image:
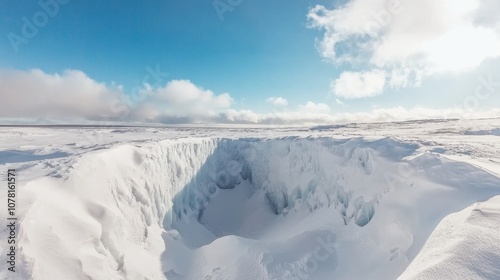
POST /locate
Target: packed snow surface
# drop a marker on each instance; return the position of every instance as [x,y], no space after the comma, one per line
[411,200]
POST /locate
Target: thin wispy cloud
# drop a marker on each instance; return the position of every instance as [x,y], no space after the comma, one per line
[277,101]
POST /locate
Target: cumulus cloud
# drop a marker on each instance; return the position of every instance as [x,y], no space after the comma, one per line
[35,94]
[308,113]
[352,85]
[73,97]
[409,40]
[179,101]
[277,101]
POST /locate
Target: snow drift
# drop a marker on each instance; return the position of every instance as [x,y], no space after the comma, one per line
[288,208]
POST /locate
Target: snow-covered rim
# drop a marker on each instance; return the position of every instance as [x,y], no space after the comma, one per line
[145,205]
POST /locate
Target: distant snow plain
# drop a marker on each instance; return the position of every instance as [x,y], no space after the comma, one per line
[407,200]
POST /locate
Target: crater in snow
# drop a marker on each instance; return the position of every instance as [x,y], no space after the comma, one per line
[285,208]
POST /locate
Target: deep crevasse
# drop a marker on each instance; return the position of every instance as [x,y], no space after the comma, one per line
[123,212]
[291,174]
[105,220]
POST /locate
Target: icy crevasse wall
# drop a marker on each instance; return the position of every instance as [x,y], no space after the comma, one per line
[104,220]
[292,176]
[259,206]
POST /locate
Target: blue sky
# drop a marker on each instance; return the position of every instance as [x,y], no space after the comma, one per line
[260,49]
[255,51]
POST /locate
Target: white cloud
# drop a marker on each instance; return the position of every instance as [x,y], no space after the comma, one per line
[308,113]
[417,113]
[35,94]
[305,117]
[339,102]
[409,39]
[73,97]
[352,85]
[277,101]
[240,116]
[179,101]
[314,108]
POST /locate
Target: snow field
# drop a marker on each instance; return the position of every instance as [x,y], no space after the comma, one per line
[249,208]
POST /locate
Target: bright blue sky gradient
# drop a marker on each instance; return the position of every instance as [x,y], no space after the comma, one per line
[260,49]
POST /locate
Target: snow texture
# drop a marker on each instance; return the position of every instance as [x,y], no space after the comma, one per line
[406,201]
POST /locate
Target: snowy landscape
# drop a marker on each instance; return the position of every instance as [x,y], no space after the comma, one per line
[401,200]
[250,140]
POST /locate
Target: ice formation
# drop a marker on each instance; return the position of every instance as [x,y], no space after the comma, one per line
[246,208]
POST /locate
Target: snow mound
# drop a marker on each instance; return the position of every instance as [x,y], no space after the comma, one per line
[287,208]
[463,246]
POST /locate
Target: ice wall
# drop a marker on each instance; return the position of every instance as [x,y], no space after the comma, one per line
[284,176]
[208,208]
[104,219]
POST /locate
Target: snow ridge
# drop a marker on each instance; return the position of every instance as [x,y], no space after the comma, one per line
[282,208]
